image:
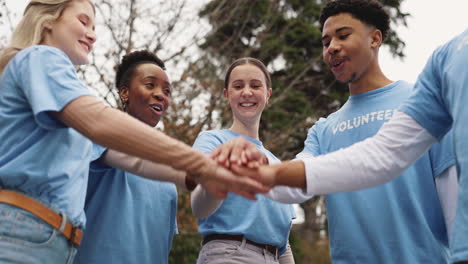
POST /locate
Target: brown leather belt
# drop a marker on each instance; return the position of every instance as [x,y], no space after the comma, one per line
[272,249]
[72,233]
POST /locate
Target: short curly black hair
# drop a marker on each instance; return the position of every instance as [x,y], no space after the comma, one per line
[126,68]
[370,12]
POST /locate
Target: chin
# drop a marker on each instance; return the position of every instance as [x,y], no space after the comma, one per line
[79,59]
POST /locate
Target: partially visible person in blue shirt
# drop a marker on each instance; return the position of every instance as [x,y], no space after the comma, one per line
[132,219]
[439,104]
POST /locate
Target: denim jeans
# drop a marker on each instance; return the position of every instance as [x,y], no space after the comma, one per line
[24,238]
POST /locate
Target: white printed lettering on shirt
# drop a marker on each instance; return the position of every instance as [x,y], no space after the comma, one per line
[360,120]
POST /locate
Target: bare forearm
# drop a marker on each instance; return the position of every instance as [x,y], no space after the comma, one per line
[290,173]
[116,130]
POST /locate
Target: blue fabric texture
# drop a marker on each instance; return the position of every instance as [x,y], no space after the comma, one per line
[130,219]
[438,103]
[39,155]
[399,222]
[262,221]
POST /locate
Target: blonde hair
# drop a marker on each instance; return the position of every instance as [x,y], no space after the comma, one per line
[30,30]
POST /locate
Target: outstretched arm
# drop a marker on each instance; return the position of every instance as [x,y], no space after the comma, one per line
[116,130]
[371,162]
[145,168]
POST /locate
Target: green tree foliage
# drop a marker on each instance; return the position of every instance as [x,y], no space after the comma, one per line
[285,35]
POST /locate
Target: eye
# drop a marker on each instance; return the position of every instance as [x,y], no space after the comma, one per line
[325,44]
[167,92]
[344,36]
[150,85]
[84,22]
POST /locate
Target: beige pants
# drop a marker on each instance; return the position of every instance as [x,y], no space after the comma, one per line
[235,252]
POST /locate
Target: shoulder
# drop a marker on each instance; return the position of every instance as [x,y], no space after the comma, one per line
[321,123]
[401,84]
[208,140]
[42,51]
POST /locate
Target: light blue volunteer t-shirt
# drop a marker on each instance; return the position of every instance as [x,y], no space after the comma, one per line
[440,99]
[398,222]
[263,221]
[130,219]
[38,154]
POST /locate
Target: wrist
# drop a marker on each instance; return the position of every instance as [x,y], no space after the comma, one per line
[290,173]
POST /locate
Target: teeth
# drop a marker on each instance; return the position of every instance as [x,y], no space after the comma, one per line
[157,108]
[247,104]
[336,63]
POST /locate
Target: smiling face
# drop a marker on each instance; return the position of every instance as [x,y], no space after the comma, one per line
[247,92]
[349,47]
[73,32]
[149,94]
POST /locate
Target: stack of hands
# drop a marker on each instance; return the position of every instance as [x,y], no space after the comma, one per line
[240,167]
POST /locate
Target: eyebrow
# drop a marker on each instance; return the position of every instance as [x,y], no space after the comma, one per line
[155,78]
[338,30]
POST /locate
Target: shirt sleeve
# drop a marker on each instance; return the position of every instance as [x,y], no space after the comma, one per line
[206,142]
[426,104]
[49,82]
[311,144]
[442,155]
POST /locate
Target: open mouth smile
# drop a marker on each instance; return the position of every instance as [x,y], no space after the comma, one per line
[157,108]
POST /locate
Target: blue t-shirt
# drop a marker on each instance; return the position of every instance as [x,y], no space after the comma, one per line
[263,221]
[130,219]
[438,102]
[39,155]
[398,222]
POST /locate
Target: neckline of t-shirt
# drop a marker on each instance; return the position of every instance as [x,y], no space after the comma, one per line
[253,140]
[374,92]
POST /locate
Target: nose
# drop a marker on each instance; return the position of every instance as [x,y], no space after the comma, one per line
[247,91]
[91,36]
[159,95]
[333,48]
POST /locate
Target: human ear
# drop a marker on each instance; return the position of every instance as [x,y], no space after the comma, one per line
[124,94]
[48,25]
[376,38]
[269,91]
[225,93]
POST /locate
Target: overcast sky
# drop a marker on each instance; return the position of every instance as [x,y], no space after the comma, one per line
[432,23]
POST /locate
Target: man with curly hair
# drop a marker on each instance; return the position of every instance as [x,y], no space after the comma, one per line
[403,220]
